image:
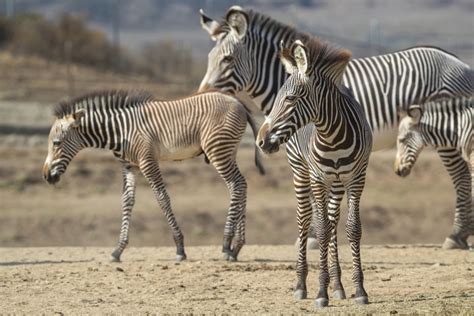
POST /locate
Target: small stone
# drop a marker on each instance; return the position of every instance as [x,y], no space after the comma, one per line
[393,312]
[386,279]
[119,269]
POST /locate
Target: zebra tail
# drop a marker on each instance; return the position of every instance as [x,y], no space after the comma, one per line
[258,157]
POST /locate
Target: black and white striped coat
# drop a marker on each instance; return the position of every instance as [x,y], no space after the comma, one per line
[445,125]
[141,131]
[335,145]
[245,58]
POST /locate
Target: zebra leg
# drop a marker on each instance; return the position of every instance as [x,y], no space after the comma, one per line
[461,177]
[320,191]
[237,186]
[239,238]
[128,200]
[312,236]
[303,217]
[335,198]
[152,173]
[354,234]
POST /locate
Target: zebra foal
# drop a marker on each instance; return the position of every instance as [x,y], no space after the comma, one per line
[447,125]
[330,150]
[141,131]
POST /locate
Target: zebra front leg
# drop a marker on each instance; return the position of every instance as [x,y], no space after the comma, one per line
[335,197]
[461,177]
[320,191]
[151,171]
[304,214]
[128,200]
[354,234]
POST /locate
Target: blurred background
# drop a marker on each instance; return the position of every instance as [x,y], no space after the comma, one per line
[52,50]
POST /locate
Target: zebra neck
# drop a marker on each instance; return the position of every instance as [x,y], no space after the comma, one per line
[329,118]
[269,75]
[103,130]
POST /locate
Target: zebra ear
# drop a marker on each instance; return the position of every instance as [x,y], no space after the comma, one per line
[238,20]
[299,53]
[209,24]
[76,117]
[287,59]
[415,112]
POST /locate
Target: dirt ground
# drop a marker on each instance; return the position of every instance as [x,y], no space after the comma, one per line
[83,211]
[411,279]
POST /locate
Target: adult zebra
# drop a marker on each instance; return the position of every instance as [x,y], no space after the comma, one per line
[140,131]
[333,150]
[445,124]
[245,58]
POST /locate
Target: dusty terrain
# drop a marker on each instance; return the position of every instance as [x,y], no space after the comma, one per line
[83,210]
[413,279]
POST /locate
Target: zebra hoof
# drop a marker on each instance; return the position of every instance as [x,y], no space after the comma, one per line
[300,294]
[362,300]
[321,302]
[231,258]
[115,256]
[180,258]
[454,243]
[339,295]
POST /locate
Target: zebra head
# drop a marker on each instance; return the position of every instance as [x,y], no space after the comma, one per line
[292,107]
[64,142]
[409,141]
[228,67]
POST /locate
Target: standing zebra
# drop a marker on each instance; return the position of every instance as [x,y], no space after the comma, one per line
[336,146]
[140,131]
[445,125]
[245,58]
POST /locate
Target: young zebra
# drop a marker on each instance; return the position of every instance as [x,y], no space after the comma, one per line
[140,131]
[331,148]
[445,125]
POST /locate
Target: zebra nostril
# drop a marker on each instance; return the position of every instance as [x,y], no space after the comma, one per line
[260,143]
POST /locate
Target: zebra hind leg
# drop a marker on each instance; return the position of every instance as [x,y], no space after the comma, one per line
[461,177]
[152,173]
[230,173]
[239,238]
[128,200]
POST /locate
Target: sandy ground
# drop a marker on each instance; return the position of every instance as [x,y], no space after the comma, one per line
[415,279]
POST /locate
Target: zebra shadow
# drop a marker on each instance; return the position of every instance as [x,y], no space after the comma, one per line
[39,262]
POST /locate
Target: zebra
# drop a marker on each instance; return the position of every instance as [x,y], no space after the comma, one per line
[140,131]
[446,124]
[335,146]
[245,59]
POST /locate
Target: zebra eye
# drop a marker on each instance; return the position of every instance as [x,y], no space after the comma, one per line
[56,143]
[227,59]
[291,98]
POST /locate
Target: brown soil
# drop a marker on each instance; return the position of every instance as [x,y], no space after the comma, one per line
[413,279]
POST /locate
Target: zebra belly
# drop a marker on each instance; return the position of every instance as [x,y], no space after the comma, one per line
[178,153]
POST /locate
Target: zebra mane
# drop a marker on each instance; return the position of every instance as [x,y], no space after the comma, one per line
[324,57]
[102,99]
